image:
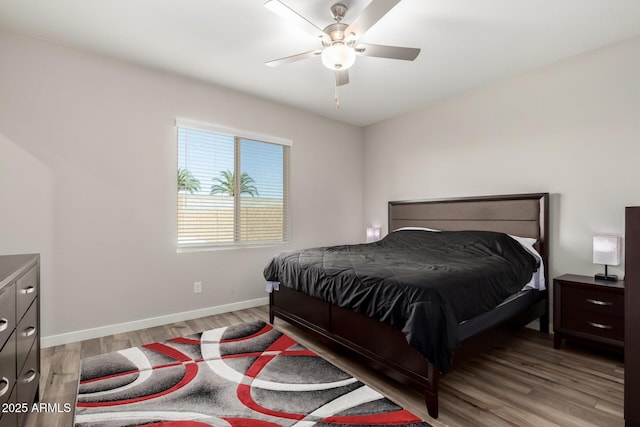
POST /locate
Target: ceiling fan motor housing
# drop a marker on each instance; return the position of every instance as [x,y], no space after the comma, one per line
[336,33]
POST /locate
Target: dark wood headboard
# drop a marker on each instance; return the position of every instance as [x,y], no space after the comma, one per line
[523,215]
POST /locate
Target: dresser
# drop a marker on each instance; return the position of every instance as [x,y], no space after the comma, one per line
[19,337]
[632,320]
[588,310]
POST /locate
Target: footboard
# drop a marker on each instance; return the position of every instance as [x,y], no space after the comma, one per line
[374,343]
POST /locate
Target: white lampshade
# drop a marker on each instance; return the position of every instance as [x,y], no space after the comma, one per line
[338,56]
[606,250]
[373,234]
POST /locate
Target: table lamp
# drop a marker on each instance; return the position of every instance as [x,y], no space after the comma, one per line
[606,250]
[373,234]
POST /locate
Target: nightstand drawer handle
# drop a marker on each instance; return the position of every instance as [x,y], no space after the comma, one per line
[600,325]
[598,302]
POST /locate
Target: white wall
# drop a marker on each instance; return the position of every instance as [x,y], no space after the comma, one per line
[88,180]
[571,129]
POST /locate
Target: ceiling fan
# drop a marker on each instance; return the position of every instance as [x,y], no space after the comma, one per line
[339,40]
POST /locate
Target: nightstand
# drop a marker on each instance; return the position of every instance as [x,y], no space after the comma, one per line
[588,310]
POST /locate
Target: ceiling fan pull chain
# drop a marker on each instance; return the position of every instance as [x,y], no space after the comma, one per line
[335,96]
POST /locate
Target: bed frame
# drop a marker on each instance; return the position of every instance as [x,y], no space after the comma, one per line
[384,347]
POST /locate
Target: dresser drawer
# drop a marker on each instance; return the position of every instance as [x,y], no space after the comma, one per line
[7,312]
[26,333]
[7,368]
[593,323]
[10,418]
[26,291]
[593,300]
[27,381]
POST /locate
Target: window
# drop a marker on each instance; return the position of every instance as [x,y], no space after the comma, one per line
[232,187]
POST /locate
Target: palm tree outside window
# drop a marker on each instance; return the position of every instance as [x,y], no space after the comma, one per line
[226,184]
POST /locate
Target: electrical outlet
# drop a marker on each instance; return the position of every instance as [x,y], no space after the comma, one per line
[197,287]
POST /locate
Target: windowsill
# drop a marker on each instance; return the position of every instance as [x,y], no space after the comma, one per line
[231,247]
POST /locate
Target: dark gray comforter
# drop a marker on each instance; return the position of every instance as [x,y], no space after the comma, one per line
[424,283]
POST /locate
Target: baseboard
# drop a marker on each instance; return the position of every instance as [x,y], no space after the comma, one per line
[102,331]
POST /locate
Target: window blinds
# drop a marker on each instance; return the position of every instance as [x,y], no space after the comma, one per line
[232,189]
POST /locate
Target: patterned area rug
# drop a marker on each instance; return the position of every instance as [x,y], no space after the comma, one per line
[247,375]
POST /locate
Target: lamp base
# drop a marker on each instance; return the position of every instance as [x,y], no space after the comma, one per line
[606,277]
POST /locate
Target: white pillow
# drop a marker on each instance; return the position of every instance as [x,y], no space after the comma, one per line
[524,241]
[415,228]
[537,280]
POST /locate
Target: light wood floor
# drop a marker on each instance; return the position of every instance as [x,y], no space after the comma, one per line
[524,382]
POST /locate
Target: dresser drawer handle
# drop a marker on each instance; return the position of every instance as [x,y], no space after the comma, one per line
[4,324]
[5,387]
[30,376]
[600,325]
[598,302]
[29,290]
[29,331]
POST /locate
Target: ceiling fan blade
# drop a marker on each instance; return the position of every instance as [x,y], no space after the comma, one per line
[342,77]
[295,18]
[372,14]
[392,52]
[293,58]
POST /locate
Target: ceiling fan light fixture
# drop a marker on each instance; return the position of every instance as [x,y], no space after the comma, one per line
[338,57]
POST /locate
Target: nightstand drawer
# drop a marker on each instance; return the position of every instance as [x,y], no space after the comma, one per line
[593,300]
[593,323]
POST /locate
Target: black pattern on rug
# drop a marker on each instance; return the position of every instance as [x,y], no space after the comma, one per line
[247,375]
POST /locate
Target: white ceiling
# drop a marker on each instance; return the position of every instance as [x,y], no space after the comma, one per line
[465,44]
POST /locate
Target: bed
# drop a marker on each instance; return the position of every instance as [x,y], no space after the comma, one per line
[378,340]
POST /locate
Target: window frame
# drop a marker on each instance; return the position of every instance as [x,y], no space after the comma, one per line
[238,135]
